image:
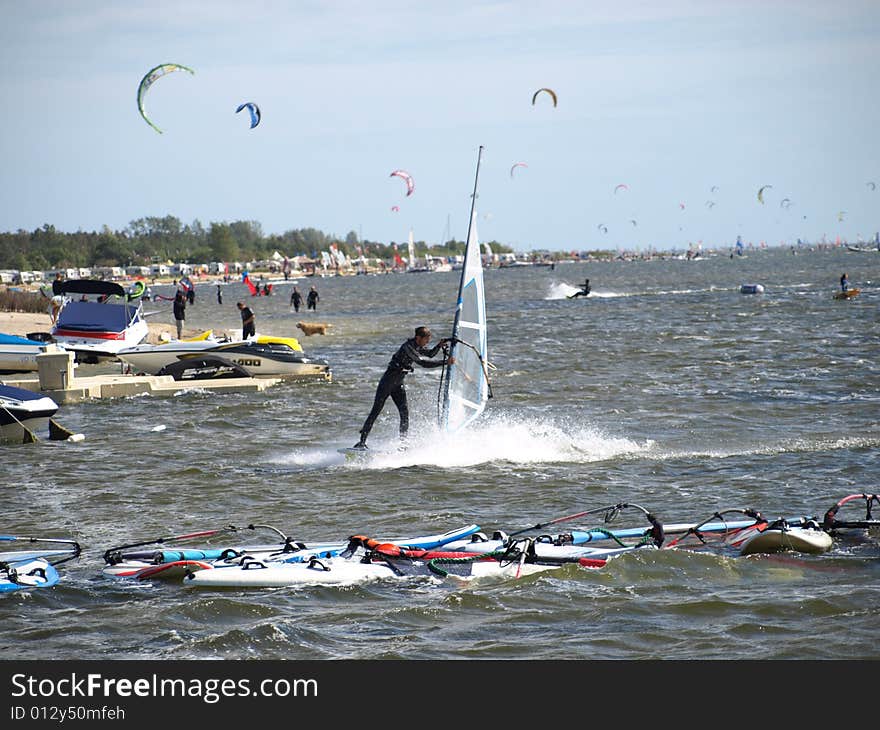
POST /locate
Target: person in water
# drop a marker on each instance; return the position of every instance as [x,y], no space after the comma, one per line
[248,327]
[585,291]
[844,283]
[296,298]
[414,351]
[312,299]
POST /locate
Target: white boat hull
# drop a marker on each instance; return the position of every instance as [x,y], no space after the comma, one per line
[259,359]
[20,409]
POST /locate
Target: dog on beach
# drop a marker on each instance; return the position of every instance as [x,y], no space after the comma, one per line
[313,328]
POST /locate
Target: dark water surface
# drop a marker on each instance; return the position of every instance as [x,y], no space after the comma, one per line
[666,387]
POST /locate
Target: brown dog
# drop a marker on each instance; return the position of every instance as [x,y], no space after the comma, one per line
[313,328]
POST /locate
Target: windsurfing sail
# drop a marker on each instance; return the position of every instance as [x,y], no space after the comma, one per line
[465,387]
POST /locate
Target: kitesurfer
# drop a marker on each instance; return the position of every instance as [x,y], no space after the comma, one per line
[585,291]
[248,328]
[414,351]
[844,283]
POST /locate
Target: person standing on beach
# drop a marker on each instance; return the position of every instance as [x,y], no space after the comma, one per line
[312,301]
[414,351]
[248,328]
[179,312]
[219,295]
[296,299]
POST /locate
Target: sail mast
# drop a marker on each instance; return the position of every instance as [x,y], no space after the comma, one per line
[461,281]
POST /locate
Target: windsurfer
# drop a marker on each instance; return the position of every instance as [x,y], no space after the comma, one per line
[414,351]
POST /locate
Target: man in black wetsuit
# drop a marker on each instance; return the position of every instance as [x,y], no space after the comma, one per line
[414,351]
[585,292]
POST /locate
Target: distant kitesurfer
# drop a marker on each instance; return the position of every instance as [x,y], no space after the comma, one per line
[219,295]
[583,292]
[844,283]
[414,351]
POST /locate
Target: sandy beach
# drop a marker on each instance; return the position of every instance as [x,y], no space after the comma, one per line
[23,323]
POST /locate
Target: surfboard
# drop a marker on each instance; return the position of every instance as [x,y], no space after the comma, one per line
[848,294]
[352,453]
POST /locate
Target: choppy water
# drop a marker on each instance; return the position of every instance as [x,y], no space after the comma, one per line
[666,387]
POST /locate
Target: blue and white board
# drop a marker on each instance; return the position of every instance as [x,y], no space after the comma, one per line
[320,564]
[27,574]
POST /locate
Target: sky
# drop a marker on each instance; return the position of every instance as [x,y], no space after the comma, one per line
[693,105]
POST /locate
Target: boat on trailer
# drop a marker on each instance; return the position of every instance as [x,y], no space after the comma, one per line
[98,318]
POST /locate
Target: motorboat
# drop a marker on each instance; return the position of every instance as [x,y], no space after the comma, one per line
[96,329]
[19,354]
[257,356]
[23,413]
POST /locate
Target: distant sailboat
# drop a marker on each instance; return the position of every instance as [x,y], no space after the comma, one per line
[412,267]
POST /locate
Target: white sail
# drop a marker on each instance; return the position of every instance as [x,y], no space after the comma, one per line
[412,251]
[467,382]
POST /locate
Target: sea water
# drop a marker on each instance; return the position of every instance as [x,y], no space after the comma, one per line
[665,387]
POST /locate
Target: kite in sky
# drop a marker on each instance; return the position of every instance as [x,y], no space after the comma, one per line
[253,109]
[622,186]
[147,81]
[515,165]
[840,215]
[602,227]
[785,203]
[761,193]
[395,208]
[872,185]
[549,91]
[407,178]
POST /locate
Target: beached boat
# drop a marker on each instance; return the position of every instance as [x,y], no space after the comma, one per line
[23,414]
[259,356]
[96,329]
[19,354]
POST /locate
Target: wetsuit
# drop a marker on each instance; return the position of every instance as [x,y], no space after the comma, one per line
[843,283]
[296,300]
[248,329]
[391,383]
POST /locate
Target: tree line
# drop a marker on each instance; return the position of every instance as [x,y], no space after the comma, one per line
[152,239]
